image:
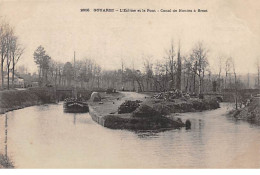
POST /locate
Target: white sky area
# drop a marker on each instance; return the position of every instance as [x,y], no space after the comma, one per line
[229,28]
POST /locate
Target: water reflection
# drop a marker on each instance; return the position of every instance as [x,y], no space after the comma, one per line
[6,131]
[147,134]
[45,137]
[5,162]
[4,135]
[74,119]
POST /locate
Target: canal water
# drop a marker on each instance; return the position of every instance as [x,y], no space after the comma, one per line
[45,137]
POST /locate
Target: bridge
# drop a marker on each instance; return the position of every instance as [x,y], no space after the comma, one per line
[228,95]
[218,96]
[64,92]
[60,93]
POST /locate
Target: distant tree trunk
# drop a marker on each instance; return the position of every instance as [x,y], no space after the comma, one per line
[147,84]
[2,70]
[194,83]
[188,84]
[46,76]
[133,84]
[40,72]
[56,77]
[98,81]
[219,81]
[8,78]
[258,74]
[200,82]
[235,89]
[226,80]
[178,75]
[166,77]
[194,78]
[13,74]
[59,77]
[139,85]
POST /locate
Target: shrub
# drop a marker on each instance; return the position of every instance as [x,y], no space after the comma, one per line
[145,111]
[128,106]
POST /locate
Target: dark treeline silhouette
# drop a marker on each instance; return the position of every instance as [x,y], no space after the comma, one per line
[188,72]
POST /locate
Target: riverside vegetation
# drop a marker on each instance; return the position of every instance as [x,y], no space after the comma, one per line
[250,113]
[144,113]
[14,99]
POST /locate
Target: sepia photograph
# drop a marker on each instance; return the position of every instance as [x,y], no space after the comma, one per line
[134,84]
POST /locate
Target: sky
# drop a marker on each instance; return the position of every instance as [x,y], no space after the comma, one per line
[230,28]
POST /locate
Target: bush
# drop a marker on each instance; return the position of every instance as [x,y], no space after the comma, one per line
[145,111]
[128,106]
[110,91]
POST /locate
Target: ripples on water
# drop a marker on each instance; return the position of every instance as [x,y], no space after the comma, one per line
[45,137]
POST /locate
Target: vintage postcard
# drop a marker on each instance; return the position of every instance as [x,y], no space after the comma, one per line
[136,84]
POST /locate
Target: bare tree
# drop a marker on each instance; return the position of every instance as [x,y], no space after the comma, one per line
[148,69]
[188,73]
[10,52]
[10,39]
[170,65]
[98,72]
[199,56]
[2,52]
[220,64]
[258,71]
[122,71]
[178,74]
[4,32]
[227,69]
[16,52]
[235,75]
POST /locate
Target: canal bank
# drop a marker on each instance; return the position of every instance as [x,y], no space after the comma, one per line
[50,138]
[106,114]
[149,113]
[250,113]
[18,99]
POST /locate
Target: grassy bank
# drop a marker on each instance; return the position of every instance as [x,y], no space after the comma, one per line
[14,99]
[250,113]
[143,118]
[129,122]
[182,105]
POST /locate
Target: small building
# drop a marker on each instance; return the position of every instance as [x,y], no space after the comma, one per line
[18,81]
[35,84]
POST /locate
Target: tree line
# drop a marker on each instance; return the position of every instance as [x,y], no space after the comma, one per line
[84,73]
[188,72]
[10,52]
[179,71]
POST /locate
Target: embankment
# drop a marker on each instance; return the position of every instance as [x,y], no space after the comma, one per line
[182,105]
[14,99]
[150,115]
[250,113]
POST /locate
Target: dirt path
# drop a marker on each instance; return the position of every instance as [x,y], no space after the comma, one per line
[111,102]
